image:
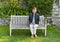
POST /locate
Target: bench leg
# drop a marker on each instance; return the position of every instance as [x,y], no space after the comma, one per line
[45,32]
[10,31]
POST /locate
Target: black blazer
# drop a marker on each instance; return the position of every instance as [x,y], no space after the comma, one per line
[36,18]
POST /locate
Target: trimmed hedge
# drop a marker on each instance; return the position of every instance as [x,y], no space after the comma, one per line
[21,7]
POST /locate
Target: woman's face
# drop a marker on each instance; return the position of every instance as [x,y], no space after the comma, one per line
[34,10]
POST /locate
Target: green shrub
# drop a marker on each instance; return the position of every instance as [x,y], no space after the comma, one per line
[44,6]
[14,7]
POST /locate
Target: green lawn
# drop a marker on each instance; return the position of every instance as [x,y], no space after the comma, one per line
[53,35]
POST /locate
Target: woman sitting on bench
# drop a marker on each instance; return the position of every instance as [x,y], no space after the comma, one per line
[34,22]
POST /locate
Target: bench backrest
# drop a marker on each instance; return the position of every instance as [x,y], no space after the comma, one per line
[23,20]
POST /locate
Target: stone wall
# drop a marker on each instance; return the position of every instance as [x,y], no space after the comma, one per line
[55,13]
[4,21]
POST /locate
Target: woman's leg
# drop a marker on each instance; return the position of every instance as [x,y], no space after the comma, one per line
[31,30]
[35,28]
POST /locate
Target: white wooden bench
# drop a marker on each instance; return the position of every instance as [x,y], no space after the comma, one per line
[22,22]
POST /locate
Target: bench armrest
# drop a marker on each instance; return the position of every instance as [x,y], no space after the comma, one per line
[45,22]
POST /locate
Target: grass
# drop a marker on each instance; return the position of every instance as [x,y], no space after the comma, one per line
[53,35]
